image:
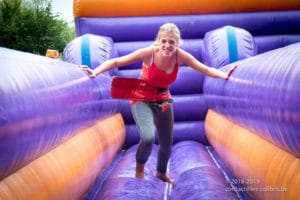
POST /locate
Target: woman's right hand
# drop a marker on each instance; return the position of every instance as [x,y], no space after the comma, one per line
[89,70]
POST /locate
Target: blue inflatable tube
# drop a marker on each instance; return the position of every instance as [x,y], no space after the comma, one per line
[44,102]
[263,94]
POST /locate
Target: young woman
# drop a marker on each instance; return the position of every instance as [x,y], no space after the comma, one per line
[160,68]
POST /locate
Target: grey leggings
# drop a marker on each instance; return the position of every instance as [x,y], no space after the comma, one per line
[146,117]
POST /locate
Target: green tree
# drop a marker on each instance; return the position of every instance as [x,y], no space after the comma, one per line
[32,27]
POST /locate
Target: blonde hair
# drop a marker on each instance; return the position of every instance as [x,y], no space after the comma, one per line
[169,28]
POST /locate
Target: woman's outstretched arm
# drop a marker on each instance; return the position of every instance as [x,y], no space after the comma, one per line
[133,57]
[188,59]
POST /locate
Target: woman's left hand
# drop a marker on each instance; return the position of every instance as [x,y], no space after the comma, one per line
[229,72]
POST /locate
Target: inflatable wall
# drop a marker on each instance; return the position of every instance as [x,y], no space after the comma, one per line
[256,129]
[52,121]
[234,139]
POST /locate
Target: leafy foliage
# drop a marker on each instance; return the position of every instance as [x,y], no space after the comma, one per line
[32,27]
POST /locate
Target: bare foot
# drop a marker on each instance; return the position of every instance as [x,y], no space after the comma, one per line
[164,177]
[139,171]
[139,175]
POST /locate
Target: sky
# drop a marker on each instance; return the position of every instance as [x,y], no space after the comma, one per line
[64,8]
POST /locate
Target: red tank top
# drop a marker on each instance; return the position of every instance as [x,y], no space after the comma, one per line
[157,78]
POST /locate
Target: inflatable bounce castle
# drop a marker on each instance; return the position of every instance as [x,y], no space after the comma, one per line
[63,137]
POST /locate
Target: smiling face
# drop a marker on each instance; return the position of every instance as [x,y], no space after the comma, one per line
[167,44]
[168,39]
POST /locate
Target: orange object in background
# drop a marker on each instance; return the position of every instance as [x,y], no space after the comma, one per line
[267,171]
[117,8]
[68,171]
[52,53]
